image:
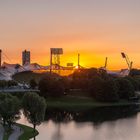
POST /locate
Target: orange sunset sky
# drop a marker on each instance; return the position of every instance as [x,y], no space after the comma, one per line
[93,28]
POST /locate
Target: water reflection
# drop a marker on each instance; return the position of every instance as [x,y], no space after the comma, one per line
[115,123]
[57,134]
[96,115]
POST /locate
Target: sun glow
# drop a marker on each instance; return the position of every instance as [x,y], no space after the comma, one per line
[77,67]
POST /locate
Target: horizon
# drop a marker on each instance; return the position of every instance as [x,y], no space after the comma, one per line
[94,28]
[4,56]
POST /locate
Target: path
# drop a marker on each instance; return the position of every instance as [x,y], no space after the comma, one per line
[17,131]
[1,132]
[18,90]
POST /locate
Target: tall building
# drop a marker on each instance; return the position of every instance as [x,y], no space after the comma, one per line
[25,57]
[0,57]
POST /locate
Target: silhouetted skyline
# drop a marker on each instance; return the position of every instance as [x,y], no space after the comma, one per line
[93,28]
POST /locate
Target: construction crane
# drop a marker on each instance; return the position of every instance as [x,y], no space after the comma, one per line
[129,63]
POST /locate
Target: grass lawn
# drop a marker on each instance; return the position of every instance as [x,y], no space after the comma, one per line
[6,135]
[28,132]
[82,102]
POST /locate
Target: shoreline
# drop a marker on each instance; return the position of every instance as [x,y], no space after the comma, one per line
[87,103]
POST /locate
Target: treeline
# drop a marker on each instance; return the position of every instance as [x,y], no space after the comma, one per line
[33,106]
[135,72]
[95,83]
[7,84]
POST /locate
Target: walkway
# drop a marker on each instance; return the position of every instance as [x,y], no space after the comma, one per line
[17,131]
[1,132]
[18,90]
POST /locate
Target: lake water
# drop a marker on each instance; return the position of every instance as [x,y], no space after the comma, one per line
[94,124]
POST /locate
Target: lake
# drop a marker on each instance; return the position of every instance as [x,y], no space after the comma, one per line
[108,123]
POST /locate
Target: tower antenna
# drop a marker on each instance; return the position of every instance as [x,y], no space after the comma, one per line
[106,60]
[78,60]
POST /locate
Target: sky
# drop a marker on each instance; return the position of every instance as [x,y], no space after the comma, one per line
[94,28]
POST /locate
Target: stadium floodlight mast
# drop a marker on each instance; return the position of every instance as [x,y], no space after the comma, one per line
[55,54]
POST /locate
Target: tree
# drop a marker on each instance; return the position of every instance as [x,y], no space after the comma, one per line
[138,81]
[9,108]
[80,78]
[33,84]
[52,87]
[57,88]
[126,89]
[134,82]
[3,84]
[66,82]
[11,83]
[104,90]
[95,87]
[44,85]
[109,92]
[134,72]
[34,108]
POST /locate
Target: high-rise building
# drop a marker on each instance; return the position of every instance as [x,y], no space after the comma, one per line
[0,57]
[25,57]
